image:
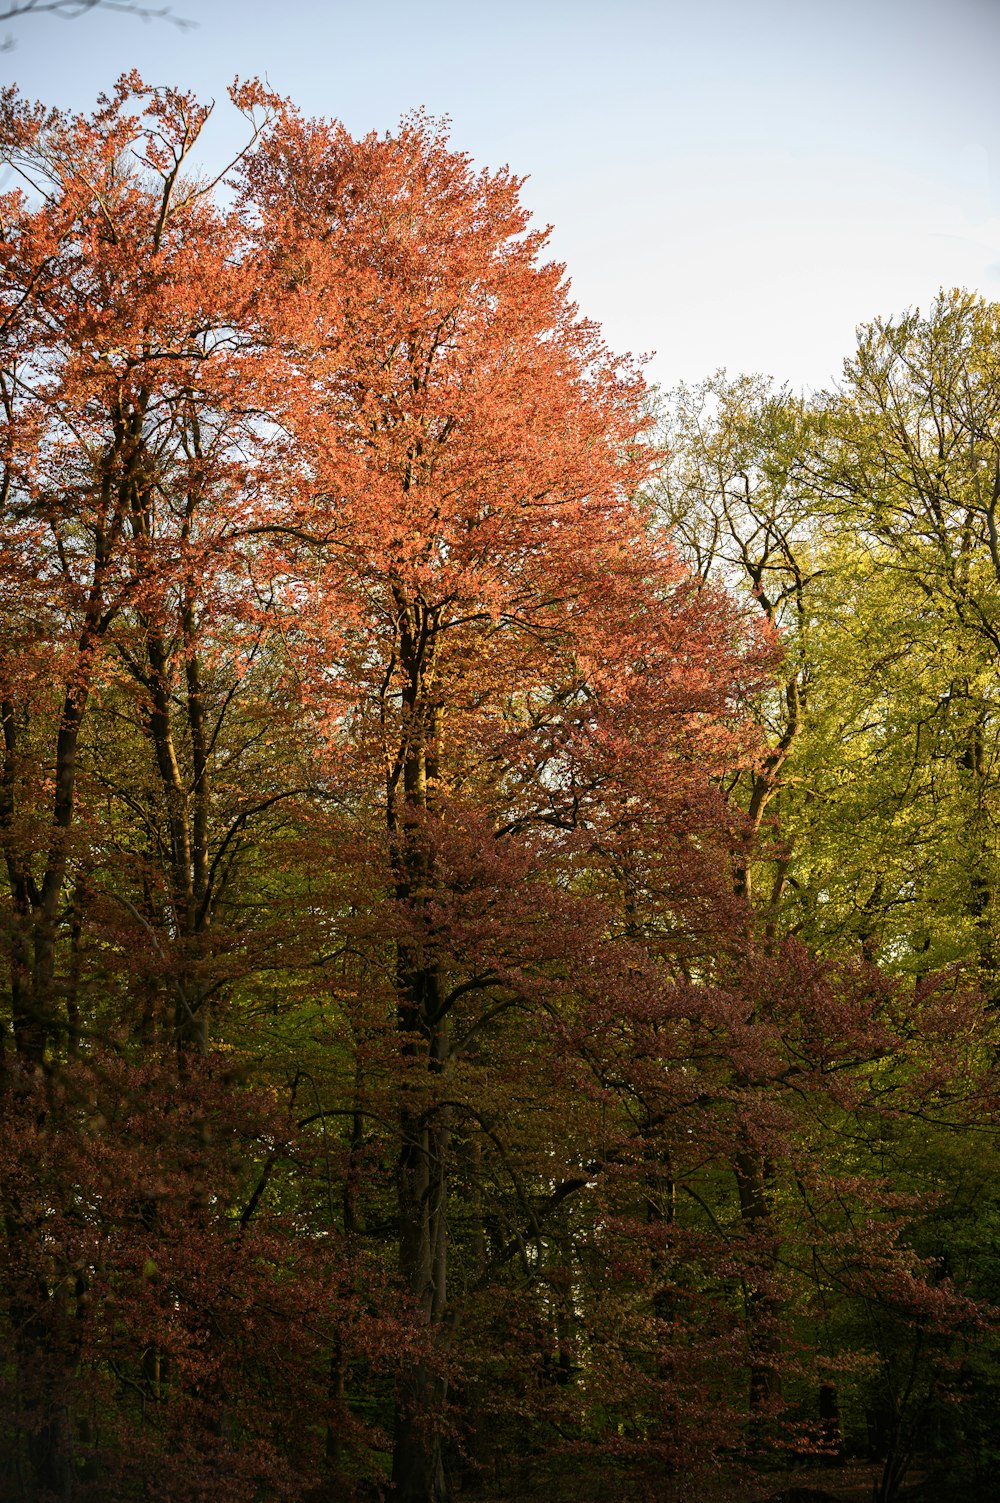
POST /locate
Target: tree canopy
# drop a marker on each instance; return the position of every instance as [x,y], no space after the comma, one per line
[500,867]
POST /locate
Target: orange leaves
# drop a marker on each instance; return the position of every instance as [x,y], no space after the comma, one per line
[466,457]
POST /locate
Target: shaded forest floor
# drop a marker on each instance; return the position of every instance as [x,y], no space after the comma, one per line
[848,1482]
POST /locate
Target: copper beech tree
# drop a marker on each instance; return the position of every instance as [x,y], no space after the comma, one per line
[387,1035]
[511,674]
[137,709]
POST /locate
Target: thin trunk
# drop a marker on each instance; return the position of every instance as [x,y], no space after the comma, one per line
[338,1381]
[764,784]
[46,1342]
[831,1433]
[754,1181]
[188,813]
[73,980]
[973,762]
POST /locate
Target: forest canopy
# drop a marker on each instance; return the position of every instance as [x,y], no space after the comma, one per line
[501,864]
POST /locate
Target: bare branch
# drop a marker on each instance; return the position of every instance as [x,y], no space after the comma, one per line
[71,10]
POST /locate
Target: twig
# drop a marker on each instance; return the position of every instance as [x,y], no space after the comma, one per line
[71,10]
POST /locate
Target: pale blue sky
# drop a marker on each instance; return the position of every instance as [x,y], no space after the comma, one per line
[734,183]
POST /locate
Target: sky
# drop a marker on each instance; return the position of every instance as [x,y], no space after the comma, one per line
[731,183]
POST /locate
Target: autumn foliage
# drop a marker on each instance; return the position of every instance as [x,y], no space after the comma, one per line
[401,1093]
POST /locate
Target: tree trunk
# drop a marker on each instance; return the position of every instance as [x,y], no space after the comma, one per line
[422,1195]
[424,1125]
[754,1176]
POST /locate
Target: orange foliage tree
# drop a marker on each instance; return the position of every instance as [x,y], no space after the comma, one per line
[137,683]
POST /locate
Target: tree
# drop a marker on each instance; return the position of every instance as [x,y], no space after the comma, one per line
[860,524]
[515,676]
[132,450]
[877,785]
